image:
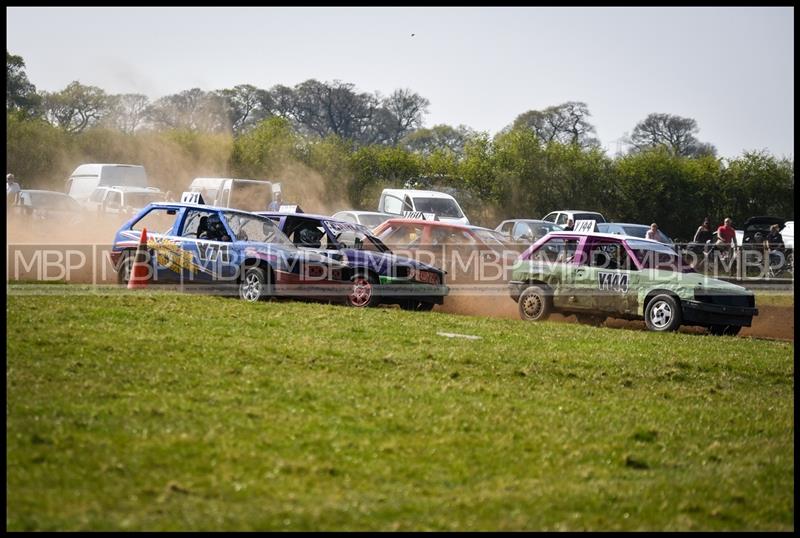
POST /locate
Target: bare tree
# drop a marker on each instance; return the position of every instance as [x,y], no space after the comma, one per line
[333,109]
[127,111]
[76,107]
[246,105]
[193,109]
[673,132]
[405,112]
[566,123]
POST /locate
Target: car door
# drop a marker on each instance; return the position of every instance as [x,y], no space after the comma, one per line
[205,257]
[395,205]
[112,202]
[554,263]
[605,280]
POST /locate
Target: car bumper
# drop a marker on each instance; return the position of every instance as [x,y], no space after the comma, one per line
[700,313]
[394,288]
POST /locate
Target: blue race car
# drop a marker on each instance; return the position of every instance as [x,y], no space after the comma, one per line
[225,250]
[378,276]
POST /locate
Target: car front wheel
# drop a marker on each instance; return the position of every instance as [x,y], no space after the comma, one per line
[663,313]
[255,285]
[124,271]
[535,304]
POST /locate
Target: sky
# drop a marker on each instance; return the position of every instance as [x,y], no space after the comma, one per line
[731,69]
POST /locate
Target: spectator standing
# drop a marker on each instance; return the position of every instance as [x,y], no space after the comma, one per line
[652,233]
[12,190]
[275,204]
[776,250]
[703,234]
[774,238]
[726,233]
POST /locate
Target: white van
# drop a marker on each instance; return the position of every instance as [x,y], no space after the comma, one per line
[244,194]
[122,200]
[444,206]
[87,177]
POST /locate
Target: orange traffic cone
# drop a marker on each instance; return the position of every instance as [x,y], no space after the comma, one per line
[140,272]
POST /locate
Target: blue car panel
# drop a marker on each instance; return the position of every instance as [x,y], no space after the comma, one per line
[198,244]
[400,279]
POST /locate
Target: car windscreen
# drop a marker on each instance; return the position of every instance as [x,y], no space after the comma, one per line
[53,201]
[247,227]
[371,221]
[658,256]
[442,207]
[141,199]
[356,236]
[540,228]
[492,238]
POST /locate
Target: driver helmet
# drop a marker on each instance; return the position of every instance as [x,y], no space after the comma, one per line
[215,226]
[310,236]
[9,177]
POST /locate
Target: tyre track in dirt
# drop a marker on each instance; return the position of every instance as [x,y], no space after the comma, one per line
[773,322]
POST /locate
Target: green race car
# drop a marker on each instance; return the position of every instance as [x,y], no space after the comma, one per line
[596,275]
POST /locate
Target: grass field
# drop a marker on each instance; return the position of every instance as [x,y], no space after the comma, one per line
[166,411]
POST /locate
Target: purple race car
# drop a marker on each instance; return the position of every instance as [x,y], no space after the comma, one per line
[378,276]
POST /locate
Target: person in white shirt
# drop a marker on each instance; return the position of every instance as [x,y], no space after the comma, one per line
[12,189]
[652,233]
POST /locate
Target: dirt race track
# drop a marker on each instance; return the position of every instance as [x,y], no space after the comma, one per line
[775,322]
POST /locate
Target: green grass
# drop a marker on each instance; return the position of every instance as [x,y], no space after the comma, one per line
[148,411]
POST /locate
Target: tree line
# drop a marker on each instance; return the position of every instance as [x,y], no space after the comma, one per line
[358,143]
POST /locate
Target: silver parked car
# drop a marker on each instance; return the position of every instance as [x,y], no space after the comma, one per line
[370,219]
[635,230]
[526,230]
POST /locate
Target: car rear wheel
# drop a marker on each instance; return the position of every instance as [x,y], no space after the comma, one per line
[362,293]
[535,304]
[724,330]
[255,285]
[662,314]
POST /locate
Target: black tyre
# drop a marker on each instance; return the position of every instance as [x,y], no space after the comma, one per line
[416,306]
[255,285]
[124,269]
[595,320]
[663,313]
[535,304]
[362,294]
[724,330]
